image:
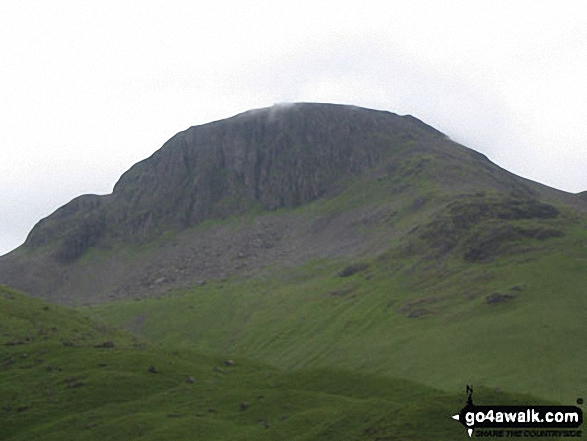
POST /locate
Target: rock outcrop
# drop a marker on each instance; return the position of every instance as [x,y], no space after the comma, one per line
[282,156]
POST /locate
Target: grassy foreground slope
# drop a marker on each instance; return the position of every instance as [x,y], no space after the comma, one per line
[66,377]
[514,321]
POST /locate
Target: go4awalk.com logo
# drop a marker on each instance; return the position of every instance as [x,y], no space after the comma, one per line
[520,421]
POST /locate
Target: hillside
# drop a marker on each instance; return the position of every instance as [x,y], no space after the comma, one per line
[515,323]
[63,376]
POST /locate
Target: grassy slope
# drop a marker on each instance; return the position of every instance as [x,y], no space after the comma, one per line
[311,317]
[55,391]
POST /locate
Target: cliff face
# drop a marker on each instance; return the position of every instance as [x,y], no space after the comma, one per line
[282,156]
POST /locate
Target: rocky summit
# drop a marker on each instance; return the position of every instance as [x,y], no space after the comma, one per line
[284,156]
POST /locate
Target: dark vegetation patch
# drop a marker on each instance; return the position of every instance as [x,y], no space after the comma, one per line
[106,344]
[418,313]
[501,297]
[491,242]
[497,297]
[416,308]
[418,203]
[470,212]
[353,269]
[342,292]
[486,227]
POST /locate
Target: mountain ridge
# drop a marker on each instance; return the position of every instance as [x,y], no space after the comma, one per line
[263,161]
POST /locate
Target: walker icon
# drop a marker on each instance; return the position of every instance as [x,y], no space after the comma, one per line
[468,408]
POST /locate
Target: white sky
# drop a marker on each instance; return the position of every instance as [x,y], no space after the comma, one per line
[88,88]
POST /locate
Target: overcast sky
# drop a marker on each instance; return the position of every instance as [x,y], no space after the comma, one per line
[88,88]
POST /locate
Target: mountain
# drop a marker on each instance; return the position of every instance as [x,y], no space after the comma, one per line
[323,237]
[196,209]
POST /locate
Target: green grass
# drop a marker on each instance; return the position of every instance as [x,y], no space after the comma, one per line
[312,318]
[57,385]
